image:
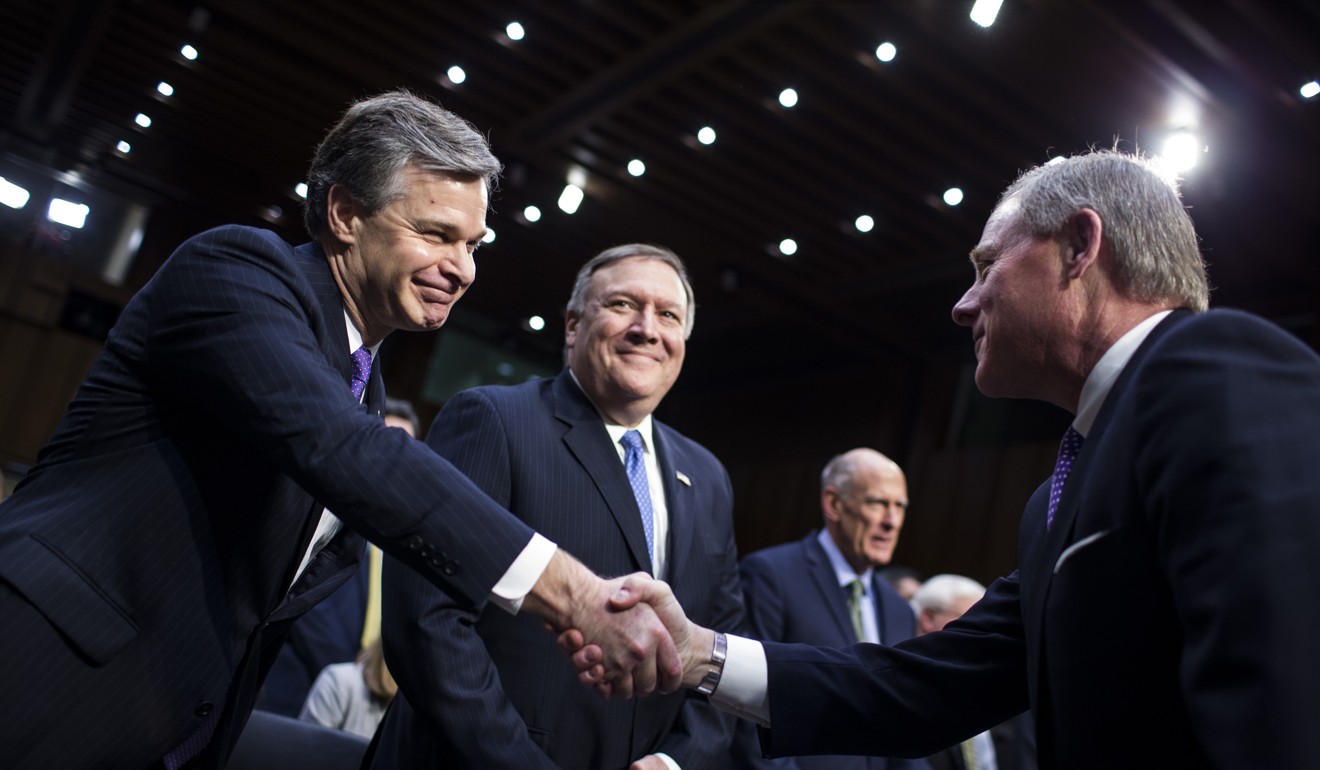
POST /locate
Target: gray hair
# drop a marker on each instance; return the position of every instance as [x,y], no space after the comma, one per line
[577,301]
[377,137]
[940,592]
[841,468]
[1153,242]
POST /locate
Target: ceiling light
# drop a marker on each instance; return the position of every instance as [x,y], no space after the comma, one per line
[165,89]
[515,31]
[953,196]
[532,214]
[985,11]
[706,135]
[188,52]
[536,323]
[300,190]
[865,223]
[68,213]
[636,167]
[788,247]
[142,120]
[489,237]
[123,147]
[456,74]
[12,195]
[886,52]
[570,199]
[788,98]
[1310,89]
[1181,151]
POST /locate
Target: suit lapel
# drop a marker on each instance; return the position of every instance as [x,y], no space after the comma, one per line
[1041,548]
[827,584]
[587,440]
[334,340]
[678,500]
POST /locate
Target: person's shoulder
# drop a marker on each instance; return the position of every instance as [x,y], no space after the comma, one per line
[1224,330]
[506,395]
[775,554]
[681,443]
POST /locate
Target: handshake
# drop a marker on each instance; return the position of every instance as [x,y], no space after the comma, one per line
[627,636]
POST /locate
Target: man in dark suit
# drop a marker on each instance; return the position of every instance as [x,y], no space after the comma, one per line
[176,524]
[825,589]
[486,689]
[1162,613]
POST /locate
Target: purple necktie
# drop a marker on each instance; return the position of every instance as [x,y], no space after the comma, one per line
[1068,449]
[361,371]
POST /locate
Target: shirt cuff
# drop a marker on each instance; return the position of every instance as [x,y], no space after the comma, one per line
[668,760]
[744,684]
[509,593]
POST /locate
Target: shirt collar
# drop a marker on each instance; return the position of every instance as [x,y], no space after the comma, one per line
[615,430]
[355,338]
[1101,379]
[843,571]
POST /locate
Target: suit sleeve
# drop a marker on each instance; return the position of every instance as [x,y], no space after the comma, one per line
[1228,436]
[701,735]
[234,333]
[431,641]
[765,620]
[909,700]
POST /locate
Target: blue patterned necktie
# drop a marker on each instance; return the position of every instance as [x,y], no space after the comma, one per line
[636,467]
[361,371]
[1068,449]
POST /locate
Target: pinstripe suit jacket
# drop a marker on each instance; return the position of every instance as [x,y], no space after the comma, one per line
[499,693]
[161,528]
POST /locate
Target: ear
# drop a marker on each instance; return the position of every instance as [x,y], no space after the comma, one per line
[1085,233]
[571,320]
[829,503]
[341,214]
[925,621]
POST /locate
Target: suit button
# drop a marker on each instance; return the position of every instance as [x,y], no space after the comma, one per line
[415,542]
[452,567]
[204,708]
[425,551]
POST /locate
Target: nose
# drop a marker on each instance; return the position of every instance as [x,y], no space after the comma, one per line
[967,308]
[643,326]
[459,266]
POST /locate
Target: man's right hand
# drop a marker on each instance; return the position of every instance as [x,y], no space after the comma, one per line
[633,652]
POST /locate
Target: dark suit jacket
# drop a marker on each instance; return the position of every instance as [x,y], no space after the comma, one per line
[145,562]
[1167,619]
[1015,747]
[491,690]
[330,632]
[793,595]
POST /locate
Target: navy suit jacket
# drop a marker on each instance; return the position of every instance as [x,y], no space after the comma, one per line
[793,595]
[146,561]
[492,690]
[1166,619]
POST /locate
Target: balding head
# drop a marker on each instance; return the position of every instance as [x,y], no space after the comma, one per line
[863,497]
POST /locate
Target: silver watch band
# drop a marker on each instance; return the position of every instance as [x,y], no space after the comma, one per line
[718,654]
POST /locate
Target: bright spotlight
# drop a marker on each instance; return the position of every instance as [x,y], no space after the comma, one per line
[489,237]
[570,199]
[123,147]
[985,11]
[1310,89]
[886,52]
[188,52]
[636,167]
[706,135]
[536,323]
[515,31]
[788,98]
[164,89]
[143,120]
[532,214]
[864,223]
[300,190]
[953,196]
[68,213]
[1181,151]
[12,195]
[788,247]
[456,74]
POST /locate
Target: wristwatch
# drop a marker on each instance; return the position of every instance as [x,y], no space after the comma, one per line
[717,657]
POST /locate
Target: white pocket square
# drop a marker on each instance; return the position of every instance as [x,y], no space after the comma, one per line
[1077,546]
[683,479]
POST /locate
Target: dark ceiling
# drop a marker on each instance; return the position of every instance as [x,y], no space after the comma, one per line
[596,83]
